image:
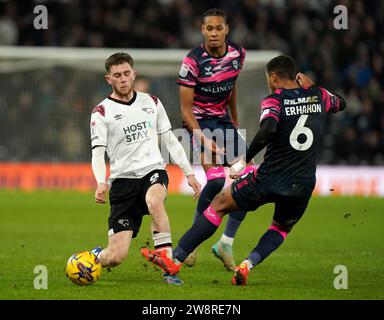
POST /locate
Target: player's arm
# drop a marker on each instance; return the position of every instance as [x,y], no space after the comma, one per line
[186,106]
[99,169]
[178,155]
[342,102]
[269,119]
[265,135]
[99,133]
[188,77]
[303,80]
[337,102]
[232,106]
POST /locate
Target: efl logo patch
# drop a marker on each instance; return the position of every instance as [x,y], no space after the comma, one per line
[183,71]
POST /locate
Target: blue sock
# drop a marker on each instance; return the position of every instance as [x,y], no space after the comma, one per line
[233,224]
[268,243]
[210,190]
[200,231]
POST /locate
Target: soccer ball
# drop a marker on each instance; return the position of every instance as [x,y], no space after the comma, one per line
[83,268]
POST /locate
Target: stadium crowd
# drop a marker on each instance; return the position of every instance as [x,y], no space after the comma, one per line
[351,61]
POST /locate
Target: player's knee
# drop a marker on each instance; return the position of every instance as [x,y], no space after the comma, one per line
[220,204]
[219,199]
[155,207]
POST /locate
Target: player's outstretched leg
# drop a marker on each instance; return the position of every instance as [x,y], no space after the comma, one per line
[117,250]
[268,243]
[204,226]
[215,183]
[161,233]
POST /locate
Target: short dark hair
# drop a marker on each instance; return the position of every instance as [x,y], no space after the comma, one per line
[116,59]
[215,12]
[283,66]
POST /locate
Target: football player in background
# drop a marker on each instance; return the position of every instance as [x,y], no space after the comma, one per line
[207,81]
[291,127]
[127,125]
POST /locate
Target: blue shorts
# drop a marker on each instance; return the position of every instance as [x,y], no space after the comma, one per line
[250,193]
[225,134]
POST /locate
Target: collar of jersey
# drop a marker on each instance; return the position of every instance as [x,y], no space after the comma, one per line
[125,102]
[226,51]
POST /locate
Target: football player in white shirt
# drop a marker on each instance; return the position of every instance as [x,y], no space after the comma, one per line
[127,125]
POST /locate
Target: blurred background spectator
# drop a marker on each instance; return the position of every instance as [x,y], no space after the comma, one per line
[142,84]
[347,61]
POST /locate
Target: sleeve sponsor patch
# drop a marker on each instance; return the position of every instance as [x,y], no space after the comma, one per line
[183,71]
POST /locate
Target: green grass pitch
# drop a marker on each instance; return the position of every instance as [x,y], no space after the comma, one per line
[45,228]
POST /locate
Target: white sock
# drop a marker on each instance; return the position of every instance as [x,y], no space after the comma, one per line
[248,263]
[163,239]
[226,240]
[169,251]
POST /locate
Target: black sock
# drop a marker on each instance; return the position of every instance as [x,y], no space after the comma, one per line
[234,220]
[268,243]
[210,190]
[204,227]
